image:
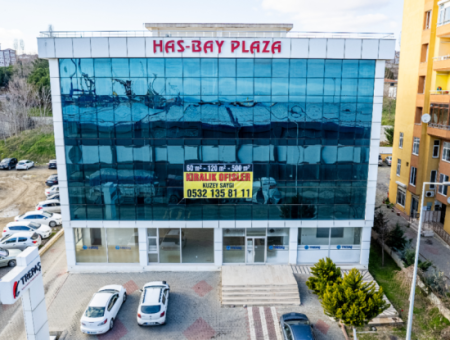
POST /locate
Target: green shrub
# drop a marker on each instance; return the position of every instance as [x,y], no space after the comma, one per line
[323,273]
[396,238]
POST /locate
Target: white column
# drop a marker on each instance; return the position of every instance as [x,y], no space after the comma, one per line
[218,246]
[293,236]
[143,244]
[35,311]
[70,245]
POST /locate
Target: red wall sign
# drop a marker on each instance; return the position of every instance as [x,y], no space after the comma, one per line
[211,46]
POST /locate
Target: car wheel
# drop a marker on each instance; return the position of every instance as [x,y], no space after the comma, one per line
[52,224]
[12,263]
[124,297]
[111,324]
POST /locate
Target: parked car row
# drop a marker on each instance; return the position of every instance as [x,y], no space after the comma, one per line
[102,310]
[30,228]
[13,163]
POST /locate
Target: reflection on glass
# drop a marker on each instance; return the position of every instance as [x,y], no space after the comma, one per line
[278,245]
[346,236]
[304,124]
[170,241]
[123,245]
[199,246]
[234,246]
[314,236]
[90,245]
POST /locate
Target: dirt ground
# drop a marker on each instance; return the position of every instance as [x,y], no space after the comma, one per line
[20,191]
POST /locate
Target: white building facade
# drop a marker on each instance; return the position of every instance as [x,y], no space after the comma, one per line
[134,112]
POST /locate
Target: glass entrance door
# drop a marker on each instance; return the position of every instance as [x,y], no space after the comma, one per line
[256,250]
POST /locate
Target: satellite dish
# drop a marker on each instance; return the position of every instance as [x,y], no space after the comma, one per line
[426,118]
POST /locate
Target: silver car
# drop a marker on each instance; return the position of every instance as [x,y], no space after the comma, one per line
[8,257]
[20,240]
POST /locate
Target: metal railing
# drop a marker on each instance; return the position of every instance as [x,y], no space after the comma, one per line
[431,222]
[439,126]
[226,34]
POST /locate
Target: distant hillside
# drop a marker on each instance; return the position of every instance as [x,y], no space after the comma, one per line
[37,145]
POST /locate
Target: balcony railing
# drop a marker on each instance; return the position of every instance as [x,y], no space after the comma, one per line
[231,34]
[439,126]
[439,92]
[443,57]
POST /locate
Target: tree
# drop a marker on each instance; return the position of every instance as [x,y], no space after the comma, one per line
[389,133]
[381,226]
[5,75]
[396,238]
[352,301]
[40,74]
[323,273]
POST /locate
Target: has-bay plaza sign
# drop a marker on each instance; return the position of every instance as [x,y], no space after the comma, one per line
[217,46]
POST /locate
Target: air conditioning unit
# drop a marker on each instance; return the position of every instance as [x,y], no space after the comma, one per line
[429,193]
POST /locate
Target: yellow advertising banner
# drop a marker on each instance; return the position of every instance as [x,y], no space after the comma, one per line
[218,181]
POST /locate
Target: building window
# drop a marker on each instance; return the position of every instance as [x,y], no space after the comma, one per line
[399,166]
[427,21]
[444,14]
[424,53]
[442,189]
[345,236]
[401,196]
[419,111]
[436,145]
[412,178]
[119,245]
[400,141]
[416,143]
[421,88]
[446,152]
[234,246]
[433,178]
[278,245]
[439,113]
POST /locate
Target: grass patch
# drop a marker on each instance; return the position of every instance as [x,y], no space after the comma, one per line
[388,115]
[36,145]
[427,323]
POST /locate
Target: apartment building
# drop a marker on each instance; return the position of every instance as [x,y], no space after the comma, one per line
[421,152]
[7,57]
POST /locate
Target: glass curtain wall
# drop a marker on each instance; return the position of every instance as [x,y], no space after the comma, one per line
[95,245]
[131,124]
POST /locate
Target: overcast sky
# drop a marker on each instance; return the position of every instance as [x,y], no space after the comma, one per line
[24,19]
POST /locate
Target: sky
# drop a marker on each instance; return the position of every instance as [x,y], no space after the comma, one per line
[24,19]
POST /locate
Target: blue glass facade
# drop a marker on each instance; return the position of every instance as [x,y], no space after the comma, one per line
[131,124]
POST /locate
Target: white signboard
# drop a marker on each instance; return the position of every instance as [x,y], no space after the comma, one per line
[14,284]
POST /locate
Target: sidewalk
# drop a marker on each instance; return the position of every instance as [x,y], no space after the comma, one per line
[431,248]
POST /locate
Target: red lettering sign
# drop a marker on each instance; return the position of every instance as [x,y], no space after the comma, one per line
[155,45]
[173,46]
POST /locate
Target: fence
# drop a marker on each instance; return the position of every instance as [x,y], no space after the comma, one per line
[431,221]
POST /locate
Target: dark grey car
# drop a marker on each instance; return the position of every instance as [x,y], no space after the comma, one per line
[296,326]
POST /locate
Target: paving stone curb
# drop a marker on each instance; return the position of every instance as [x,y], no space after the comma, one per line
[55,238]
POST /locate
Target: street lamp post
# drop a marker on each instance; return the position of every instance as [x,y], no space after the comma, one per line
[416,261]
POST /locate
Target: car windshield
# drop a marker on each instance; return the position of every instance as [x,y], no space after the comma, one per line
[5,237]
[150,309]
[21,162]
[35,236]
[47,214]
[298,322]
[95,312]
[4,252]
[6,160]
[34,225]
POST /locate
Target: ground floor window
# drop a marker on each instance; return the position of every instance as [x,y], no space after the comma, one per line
[99,245]
[342,245]
[401,197]
[175,245]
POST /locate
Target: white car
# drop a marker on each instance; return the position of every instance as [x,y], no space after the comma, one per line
[52,206]
[20,240]
[24,164]
[152,308]
[8,257]
[52,190]
[388,160]
[102,310]
[16,227]
[43,217]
